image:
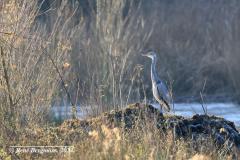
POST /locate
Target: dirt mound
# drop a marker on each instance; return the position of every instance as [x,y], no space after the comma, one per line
[221,131]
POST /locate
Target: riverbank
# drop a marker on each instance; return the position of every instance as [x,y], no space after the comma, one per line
[137,132]
[229,111]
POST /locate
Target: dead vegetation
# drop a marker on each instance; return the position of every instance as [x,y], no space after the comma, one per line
[53,57]
[138,132]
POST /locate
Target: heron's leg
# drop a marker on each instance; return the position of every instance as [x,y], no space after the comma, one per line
[161,110]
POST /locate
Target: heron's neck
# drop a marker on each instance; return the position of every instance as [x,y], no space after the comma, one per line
[153,70]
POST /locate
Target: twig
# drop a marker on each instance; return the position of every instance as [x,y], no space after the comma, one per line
[6,77]
[74,110]
[171,91]
[201,95]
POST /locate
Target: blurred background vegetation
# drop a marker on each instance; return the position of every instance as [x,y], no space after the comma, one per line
[197,45]
[88,52]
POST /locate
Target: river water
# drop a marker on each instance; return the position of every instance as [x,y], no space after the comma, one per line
[229,111]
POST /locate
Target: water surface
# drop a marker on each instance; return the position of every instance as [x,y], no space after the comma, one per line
[229,111]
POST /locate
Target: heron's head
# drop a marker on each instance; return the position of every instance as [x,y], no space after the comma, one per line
[150,54]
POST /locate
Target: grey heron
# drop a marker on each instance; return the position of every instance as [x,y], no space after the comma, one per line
[159,88]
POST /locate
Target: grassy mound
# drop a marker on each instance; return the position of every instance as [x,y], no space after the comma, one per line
[138,132]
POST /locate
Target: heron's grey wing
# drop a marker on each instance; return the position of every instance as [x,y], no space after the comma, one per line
[163,91]
[164,94]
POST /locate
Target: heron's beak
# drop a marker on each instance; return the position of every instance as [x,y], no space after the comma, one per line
[144,55]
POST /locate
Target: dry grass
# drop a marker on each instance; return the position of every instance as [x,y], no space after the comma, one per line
[98,138]
[111,51]
[59,58]
[30,55]
[36,60]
